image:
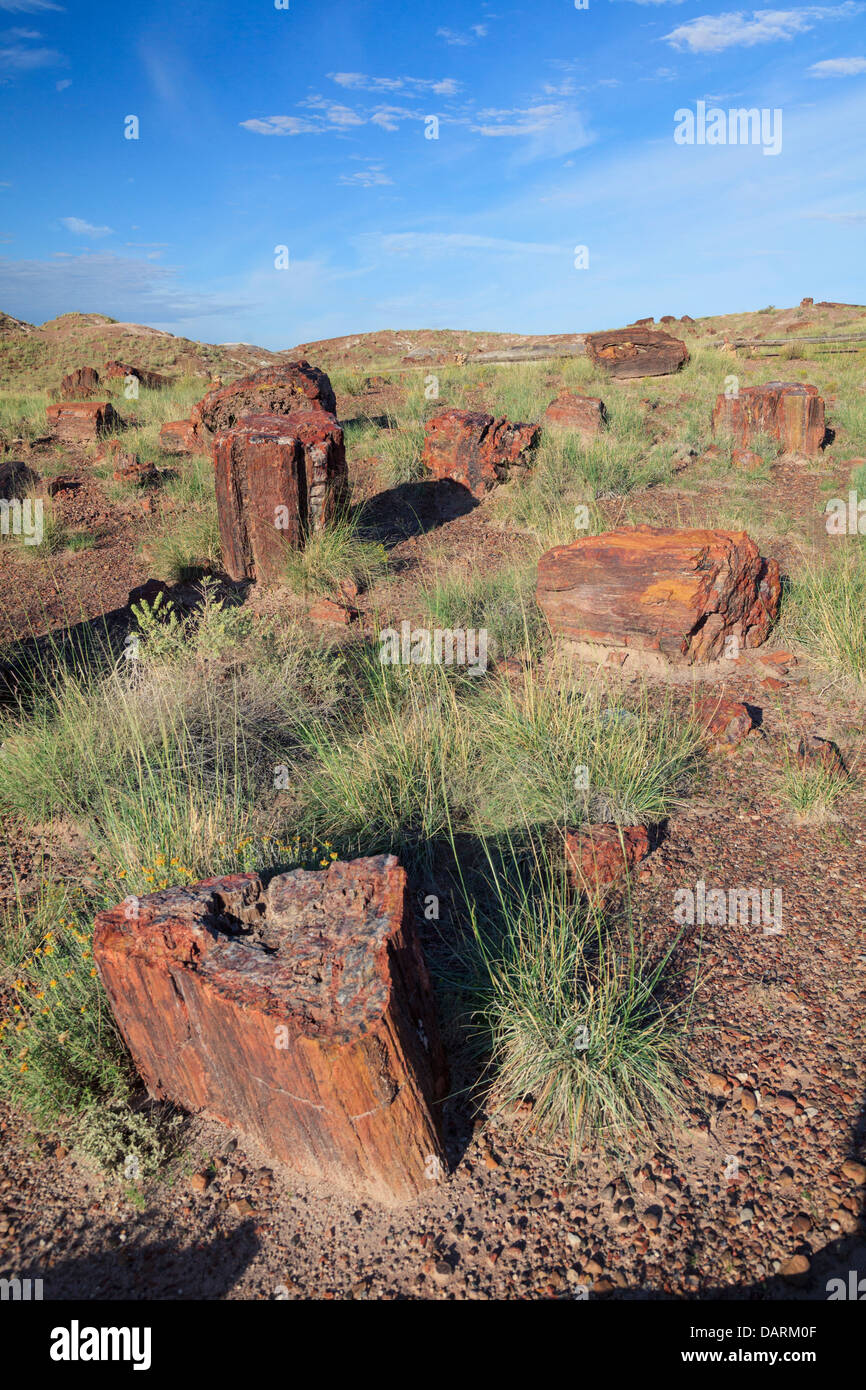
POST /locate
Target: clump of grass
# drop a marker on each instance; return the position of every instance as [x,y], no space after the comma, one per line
[811,789]
[579,1019]
[335,553]
[826,611]
[399,447]
[501,604]
[556,753]
[190,547]
[60,1052]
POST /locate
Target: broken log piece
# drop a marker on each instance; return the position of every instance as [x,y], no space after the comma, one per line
[286,389]
[476,450]
[301,1013]
[681,593]
[585,416]
[634,352]
[598,855]
[279,478]
[80,422]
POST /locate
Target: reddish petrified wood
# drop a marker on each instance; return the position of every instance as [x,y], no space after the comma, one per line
[583,415]
[597,855]
[636,351]
[474,449]
[790,412]
[81,421]
[281,390]
[725,722]
[681,593]
[300,1013]
[182,437]
[820,754]
[152,380]
[278,479]
[82,382]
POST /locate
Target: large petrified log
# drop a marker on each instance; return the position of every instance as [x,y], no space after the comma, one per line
[474,449]
[637,351]
[573,414]
[83,381]
[278,390]
[278,479]
[300,1013]
[790,412]
[681,593]
[78,422]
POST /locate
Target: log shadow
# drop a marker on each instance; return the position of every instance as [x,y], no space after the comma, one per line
[413,509]
[150,1270]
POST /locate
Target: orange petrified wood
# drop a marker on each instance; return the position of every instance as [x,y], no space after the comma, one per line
[299,1012]
[680,593]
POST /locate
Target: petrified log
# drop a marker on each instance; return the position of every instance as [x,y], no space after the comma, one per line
[152,380]
[582,415]
[279,390]
[681,593]
[633,352]
[300,1013]
[79,422]
[182,437]
[82,382]
[278,478]
[790,412]
[474,449]
[597,855]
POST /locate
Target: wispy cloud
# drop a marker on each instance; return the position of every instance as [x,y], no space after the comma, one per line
[463,39]
[283,125]
[28,6]
[127,289]
[360,81]
[444,243]
[82,228]
[838,67]
[739,29]
[850,219]
[17,58]
[373,176]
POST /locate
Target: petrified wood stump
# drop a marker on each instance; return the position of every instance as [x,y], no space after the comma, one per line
[83,381]
[681,593]
[278,479]
[154,381]
[636,351]
[286,389]
[300,1013]
[790,412]
[474,449]
[81,421]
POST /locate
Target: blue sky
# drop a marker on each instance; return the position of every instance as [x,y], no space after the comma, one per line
[305,127]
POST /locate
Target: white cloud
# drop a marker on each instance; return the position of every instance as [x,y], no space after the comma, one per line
[28,6]
[714,33]
[373,176]
[460,39]
[17,58]
[81,228]
[838,67]
[283,125]
[127,289]
[360,81]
